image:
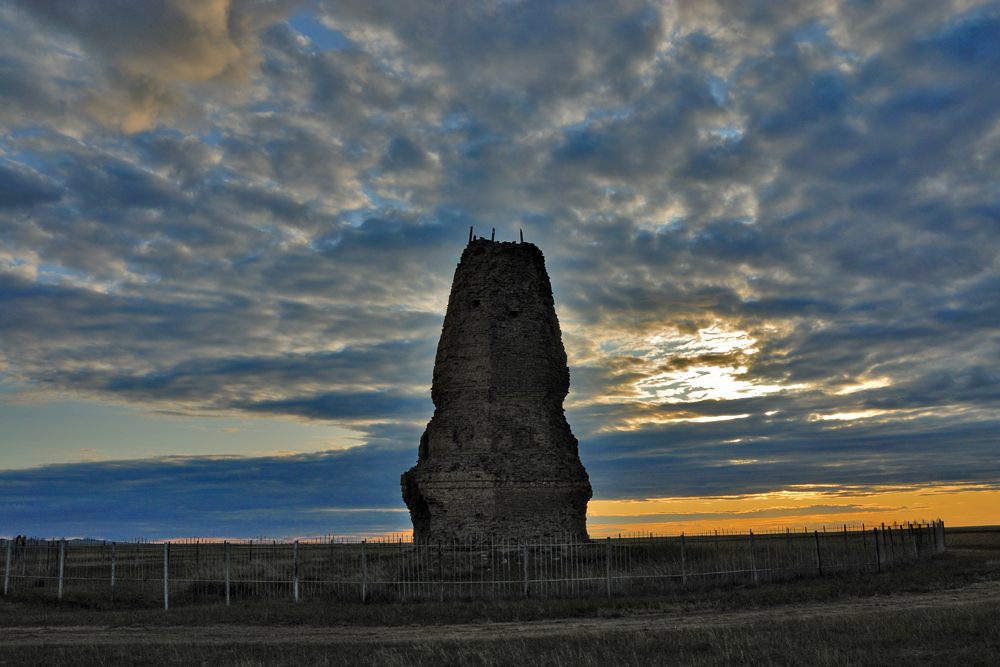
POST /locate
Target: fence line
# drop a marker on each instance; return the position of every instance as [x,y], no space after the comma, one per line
[131,573]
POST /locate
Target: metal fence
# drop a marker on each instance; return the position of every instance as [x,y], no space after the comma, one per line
[145,574]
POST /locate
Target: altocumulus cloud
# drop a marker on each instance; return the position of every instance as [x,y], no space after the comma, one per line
[772,228]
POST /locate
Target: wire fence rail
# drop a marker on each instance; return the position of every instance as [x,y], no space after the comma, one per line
[396,569]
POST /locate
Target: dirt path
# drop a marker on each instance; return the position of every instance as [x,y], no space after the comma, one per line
[242,634]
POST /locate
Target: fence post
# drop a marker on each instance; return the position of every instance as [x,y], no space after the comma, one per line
[6,574]
[684,575]
[607,565]
[295,569]
[166,577]
[112,573]
[819,557]
[753,560]
[364,571]
[878,554]
[441,571]
[402,574]
[62,564]
[524,548]
[226,543]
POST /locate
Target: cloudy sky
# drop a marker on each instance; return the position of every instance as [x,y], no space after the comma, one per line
[228,230]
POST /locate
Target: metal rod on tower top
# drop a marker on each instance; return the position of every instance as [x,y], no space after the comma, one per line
[493,235]
[522,235]
[470,234]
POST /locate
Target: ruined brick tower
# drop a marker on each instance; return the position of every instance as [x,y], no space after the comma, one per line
[498,457]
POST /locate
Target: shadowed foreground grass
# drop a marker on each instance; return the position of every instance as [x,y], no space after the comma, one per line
[965,637]
[968,635]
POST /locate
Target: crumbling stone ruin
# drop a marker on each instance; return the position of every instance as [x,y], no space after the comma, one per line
[498,458]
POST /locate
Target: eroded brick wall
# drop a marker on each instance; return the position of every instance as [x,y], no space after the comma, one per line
[498,457]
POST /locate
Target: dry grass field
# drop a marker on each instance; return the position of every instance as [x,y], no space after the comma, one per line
[944,610]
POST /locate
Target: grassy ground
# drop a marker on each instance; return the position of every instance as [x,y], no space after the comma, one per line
[967,635]
[904,639]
